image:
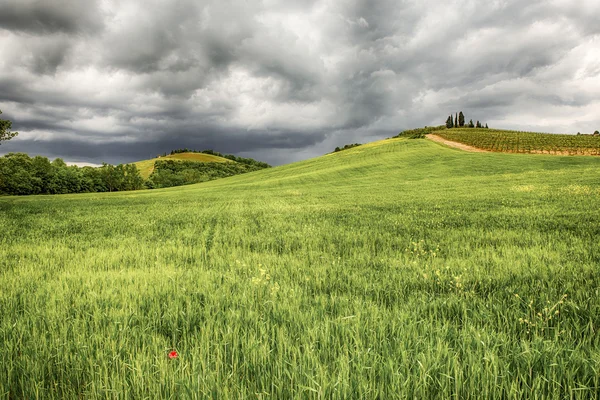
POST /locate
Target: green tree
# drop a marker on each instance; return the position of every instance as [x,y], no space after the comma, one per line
[16,175]
[449,122]
[486,127]
[44,171]
[461,119]
[471,124]
[110,177]
[5,127]
[132,180]
[456,121]
[478,124]
[596,133]
[91,180]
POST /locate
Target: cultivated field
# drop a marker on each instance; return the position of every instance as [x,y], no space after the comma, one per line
[524,142]
[397,269]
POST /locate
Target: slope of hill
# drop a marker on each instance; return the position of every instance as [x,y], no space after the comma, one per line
[400,268]
[523,142]
[146,167]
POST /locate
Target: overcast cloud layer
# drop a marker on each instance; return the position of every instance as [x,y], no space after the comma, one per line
[119,81]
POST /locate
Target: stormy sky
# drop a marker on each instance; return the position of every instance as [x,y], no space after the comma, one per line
[280,81]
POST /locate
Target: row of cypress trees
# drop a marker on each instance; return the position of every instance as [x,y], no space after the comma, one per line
[459,122]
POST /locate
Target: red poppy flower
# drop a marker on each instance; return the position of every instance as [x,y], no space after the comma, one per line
[173,354]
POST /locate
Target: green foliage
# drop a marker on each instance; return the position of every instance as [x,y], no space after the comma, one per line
[346,147]
[121,177]
[168,173]
[449,122]
[420,133]
[596,133]
[5,130]
[525,142]
[461,119]
[23,175]
[405,270]
[471,124]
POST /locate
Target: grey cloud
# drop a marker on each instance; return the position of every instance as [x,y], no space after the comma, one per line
[279,80]
[42,16]
[48,56]
[225,141]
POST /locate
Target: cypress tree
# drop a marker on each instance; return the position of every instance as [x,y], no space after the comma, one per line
[449,122]
[461,119]
[456,120]
[486,127]
[478,124]
[471,125]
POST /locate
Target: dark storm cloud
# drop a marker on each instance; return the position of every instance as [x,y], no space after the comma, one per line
[280,145]
[43,16]
[119,81]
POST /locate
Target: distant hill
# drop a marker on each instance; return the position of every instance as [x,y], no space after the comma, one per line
[146,167]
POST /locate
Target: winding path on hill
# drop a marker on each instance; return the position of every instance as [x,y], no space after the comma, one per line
[457,145]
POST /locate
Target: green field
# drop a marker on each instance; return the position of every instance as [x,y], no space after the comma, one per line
[524,142]
[397,269]
[146,167]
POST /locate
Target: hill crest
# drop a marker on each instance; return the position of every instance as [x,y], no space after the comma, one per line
[146,167]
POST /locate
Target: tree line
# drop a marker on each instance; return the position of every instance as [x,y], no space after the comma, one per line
[459,122]
[168,173]
[21,174]
[24,175]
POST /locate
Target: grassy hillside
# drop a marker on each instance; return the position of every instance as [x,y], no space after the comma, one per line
[524,142]
[147,166]
[397,269]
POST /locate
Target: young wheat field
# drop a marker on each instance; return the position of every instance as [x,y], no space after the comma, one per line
[397,269]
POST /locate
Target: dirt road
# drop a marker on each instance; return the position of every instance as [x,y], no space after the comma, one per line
[450,143]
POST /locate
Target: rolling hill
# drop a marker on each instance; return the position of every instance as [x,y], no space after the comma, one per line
[498,140]
[396,269]
[147,166]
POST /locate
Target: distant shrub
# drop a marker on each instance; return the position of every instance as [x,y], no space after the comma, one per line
[346,147]
[420,133]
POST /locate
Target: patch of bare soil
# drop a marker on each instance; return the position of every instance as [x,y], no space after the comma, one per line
[457,145]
